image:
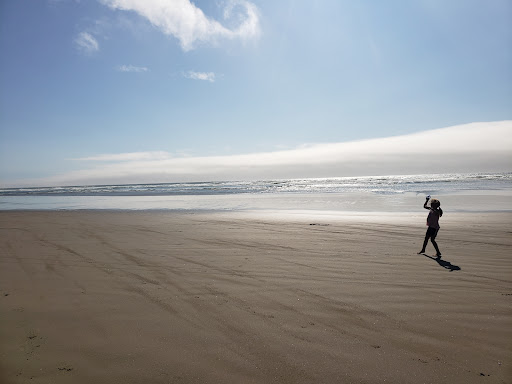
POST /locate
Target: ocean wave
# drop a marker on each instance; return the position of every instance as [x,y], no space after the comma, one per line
[393,184]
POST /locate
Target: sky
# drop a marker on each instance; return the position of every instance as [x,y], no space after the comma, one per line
[126,91]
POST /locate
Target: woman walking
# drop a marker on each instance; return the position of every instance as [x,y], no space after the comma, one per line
[435,212]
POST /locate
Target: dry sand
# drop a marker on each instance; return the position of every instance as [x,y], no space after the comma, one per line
[163,297]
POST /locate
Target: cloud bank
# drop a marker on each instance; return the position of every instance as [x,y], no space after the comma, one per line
[475,147]
[186,22]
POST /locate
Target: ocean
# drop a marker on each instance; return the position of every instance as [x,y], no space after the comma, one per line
[486,192]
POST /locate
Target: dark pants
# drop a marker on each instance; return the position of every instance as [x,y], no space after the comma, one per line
[431,234]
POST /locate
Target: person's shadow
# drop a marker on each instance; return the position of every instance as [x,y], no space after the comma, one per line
[444,263]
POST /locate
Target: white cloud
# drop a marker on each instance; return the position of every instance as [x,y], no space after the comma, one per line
[207,76]
[132,156]
[87,43]
[475,147]
[186,22]
[131,68]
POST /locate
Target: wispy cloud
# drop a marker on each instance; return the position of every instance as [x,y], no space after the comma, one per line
[207,76]
[132,156]
[131,68]
[472,147]
[186,22]
[86,43]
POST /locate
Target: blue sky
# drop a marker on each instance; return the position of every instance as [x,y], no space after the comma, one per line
[139,90]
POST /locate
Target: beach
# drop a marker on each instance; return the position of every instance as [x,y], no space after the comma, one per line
[198,297]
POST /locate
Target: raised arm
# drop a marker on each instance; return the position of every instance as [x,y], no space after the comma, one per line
[426,201]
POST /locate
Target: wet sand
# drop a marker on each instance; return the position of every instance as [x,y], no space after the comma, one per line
[164,297]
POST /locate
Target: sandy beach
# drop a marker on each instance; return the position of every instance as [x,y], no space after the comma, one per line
[166,297]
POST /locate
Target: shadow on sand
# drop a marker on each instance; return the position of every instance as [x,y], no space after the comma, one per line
[443,263]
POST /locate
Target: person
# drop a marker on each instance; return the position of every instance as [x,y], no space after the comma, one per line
[435,212]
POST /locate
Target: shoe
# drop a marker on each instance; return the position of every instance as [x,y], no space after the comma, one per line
[438,254]
[420,252]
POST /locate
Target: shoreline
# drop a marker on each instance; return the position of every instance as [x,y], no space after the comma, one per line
[144,296]
[466,201]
